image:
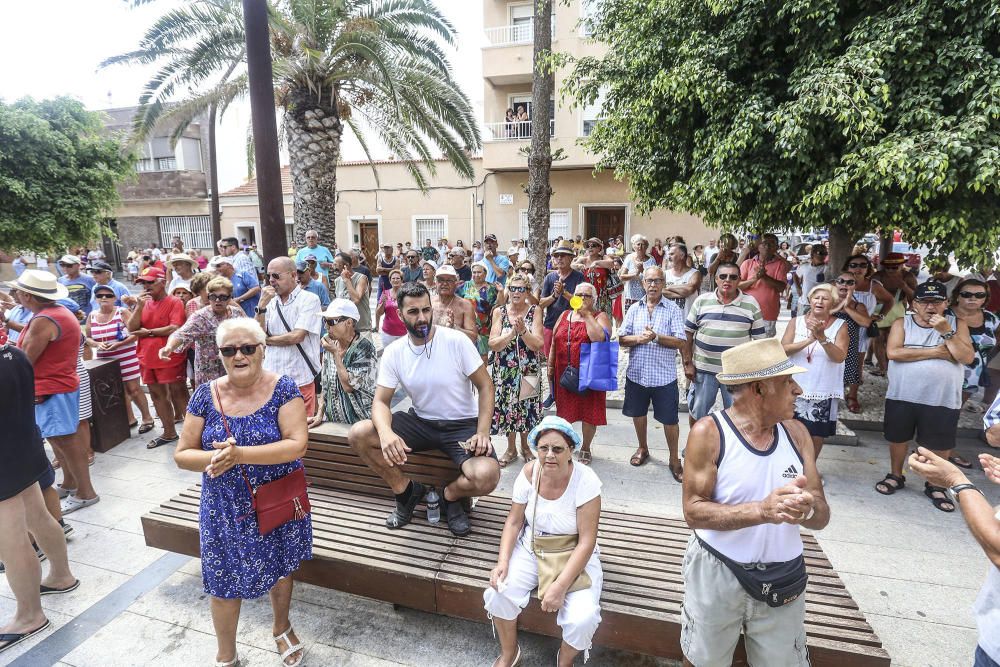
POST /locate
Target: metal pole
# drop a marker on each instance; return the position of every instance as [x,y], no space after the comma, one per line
[213,173]
[265,131]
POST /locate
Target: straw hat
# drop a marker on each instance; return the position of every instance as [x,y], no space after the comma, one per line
[756,360]
[40,283]
[564,248]
[181,257]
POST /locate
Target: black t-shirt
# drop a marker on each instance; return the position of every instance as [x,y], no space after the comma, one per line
[560,305]
[464,273]
[22,457]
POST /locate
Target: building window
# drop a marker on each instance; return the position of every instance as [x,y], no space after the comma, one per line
[559,223]
[195,231]
[588,13]
[522,19]
[431,227]
[142,166]
[166,164]
[289,234]
[592,113]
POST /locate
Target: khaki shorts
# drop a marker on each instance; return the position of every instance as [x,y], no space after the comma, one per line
[716,609]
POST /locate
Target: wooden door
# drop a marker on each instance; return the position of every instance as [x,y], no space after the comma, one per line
[605,222]
[369,242]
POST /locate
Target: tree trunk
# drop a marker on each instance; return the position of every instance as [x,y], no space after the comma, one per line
[540,158]
[314,132]
[841,245]
[213,176]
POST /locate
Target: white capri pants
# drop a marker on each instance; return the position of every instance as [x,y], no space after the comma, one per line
[581,611]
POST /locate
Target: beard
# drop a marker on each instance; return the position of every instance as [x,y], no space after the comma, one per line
[420,330]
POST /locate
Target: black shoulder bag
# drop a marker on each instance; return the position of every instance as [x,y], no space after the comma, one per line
[570,378]
[317,375]
[777,584]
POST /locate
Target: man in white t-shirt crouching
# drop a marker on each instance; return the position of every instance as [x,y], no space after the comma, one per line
[441,371]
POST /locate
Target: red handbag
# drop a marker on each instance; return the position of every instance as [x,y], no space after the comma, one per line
[279,501]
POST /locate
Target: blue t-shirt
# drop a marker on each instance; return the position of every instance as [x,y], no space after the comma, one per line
[80,290]
[120,291]
[20,315]
[322,254]
[320,290]
[560,305]
[503,263]
[243,282]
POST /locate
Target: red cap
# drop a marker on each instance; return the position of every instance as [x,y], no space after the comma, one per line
[894,258]
[151,274]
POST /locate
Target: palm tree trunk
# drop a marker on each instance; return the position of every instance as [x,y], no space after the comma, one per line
[540,158]
[314,131]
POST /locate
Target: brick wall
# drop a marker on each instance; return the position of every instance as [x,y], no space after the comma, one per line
[165,185]
[137,232]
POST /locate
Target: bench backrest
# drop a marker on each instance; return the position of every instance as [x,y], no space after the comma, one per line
[332,464]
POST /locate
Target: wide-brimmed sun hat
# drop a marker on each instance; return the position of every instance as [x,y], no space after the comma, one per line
[564,248]
[181,257]
[553,423]
[756,360]
[39,283]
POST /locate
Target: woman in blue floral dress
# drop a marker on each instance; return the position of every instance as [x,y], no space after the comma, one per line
[514,342]
[266,416]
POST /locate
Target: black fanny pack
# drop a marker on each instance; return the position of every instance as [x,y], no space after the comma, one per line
[777,584]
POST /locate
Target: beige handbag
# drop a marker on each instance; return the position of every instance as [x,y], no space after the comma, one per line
[530,385]
[552,552]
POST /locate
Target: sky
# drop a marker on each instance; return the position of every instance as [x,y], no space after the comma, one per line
[54,47]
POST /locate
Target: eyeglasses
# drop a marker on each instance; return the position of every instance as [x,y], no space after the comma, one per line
[411,257]
[585,296]
[277,276]
[334,321]
[972,295]
[526,269]
[845,281]
[858,265]
[247,350]
[652,281]
[727,276]
[517,290]
[556,449]
[65,265]
[104,296]
[219,297]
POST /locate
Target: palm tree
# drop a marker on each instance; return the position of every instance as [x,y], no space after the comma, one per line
[378,67]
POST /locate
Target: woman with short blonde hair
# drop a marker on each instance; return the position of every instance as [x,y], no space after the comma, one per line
[201,330]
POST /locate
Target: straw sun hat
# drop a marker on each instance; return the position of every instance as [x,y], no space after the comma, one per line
[756,360]
[40,283]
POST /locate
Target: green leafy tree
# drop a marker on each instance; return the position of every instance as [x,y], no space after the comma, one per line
[376,67]
[807,114]
[58,174]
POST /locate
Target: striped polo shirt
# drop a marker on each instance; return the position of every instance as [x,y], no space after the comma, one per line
[719,326]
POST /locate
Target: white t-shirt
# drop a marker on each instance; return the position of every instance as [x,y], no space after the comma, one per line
[435,376]
[556,517]
[811,276]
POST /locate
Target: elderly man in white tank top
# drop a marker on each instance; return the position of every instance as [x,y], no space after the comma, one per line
[750,481]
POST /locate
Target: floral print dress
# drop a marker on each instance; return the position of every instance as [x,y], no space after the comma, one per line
[511,415]
[483,298]
[344,407]
[984,343]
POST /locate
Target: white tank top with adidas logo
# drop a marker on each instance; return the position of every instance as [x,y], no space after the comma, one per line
[749,475]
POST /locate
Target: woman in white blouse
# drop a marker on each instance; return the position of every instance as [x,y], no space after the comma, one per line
[568,502]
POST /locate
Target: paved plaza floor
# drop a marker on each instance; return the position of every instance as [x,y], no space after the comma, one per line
[914,572]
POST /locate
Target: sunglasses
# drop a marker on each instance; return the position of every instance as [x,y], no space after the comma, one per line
[219,297]
[526,269]
[277,276]
[64,265]
[517,290]
[247,350]
[972,295]
[858,265]
[727,276]
[104,296]
[594,245]
[557,449]
[847,281]
[334,321]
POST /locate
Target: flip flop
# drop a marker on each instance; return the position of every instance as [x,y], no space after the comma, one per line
[72,503]
[146,427]
[678,475]
[639,458]
[960,462]
[46,590]
[160,441]
[13,639]
[90,459]
[133,424]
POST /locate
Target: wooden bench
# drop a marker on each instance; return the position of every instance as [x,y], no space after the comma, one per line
[424,567]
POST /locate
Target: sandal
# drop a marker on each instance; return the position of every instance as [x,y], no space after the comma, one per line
[941,500]
[292,648]
[146,427]
[878,372]
[960,462]
[507,458]
[584,457]
[74,503]
[160,441]
[678,473]
[890,489]
[640,457]
[515,662]
[853,404]
[48,590]
[90,458]
[527,455]
[235,662]
[14,638]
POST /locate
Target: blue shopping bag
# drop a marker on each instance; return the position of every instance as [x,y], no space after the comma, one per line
[599,365]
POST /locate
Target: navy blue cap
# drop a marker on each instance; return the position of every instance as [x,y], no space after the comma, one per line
[931,290]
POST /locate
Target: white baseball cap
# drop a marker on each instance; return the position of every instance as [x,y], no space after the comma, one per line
[342,308]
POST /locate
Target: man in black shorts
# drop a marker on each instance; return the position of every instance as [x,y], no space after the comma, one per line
[442,372]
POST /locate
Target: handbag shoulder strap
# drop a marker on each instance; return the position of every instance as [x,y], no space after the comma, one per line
[225,425]
[312,369]
[537,483]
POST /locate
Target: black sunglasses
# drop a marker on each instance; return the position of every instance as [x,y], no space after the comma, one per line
[247,350]
[104,296]
[334,321]
[972,295]
[517,289]
[845,281]
[858,265]
[219,297]
[526,269]
[277,276]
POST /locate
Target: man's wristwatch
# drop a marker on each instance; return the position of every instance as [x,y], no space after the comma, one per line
[949,335]
[953,491]
[260,311]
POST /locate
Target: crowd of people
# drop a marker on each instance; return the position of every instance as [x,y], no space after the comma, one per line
[240,359]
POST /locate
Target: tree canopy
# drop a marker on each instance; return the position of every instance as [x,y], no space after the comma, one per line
[774,115]
[58,172]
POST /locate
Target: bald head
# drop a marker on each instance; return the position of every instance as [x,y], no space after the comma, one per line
[281,275]
[280,264]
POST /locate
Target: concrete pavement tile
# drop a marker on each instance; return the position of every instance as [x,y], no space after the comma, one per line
[115,513]
[127,468]
[321,654]
[115,550]
[943,537]
[946,605]
[912,565]
[95,583]
[924,643]
[132,639]
[57,620]
[149,490]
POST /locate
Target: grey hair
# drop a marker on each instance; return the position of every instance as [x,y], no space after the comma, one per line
[239,325]
[638,238]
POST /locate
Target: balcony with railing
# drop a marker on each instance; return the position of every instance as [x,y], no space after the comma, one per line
[509,35]
[507,53]
[517,130]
